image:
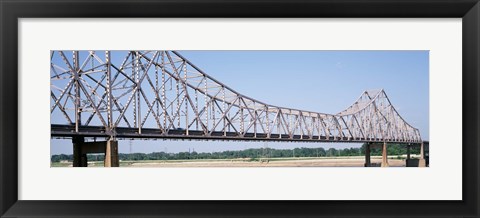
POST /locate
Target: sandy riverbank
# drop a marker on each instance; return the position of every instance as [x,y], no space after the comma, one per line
[271,162]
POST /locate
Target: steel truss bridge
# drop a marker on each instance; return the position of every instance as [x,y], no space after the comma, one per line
[161,94]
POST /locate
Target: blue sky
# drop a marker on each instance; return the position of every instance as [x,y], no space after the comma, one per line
[322,81]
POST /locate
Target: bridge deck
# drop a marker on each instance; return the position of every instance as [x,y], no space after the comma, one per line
[153,133]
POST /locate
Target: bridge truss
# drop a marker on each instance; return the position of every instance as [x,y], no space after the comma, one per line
[160,94]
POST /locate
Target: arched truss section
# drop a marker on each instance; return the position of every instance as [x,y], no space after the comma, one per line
[161,94]
[373,116]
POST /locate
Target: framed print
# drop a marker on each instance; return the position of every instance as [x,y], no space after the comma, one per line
[210,108]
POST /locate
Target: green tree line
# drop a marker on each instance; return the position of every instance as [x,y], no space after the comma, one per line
[392,149]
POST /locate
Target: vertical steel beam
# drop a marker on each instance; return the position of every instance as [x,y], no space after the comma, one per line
[164,97]
[109,92]
[134,59]
[224,112]
[255,119]
[138,118]
[78,113]
[157,88]
[206,104]
[242,119]
[177,88]
[196,108]
[184,83]
[267,120]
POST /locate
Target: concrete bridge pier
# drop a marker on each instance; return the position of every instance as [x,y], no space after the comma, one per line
[421,161]
[384,155]
[82,148]
[111,154]
[367,155]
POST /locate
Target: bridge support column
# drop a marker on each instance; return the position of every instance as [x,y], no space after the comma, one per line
[79,158]
[384,155]
[367,155]
[111,154]
[421,161]
[409,162]
[408,151]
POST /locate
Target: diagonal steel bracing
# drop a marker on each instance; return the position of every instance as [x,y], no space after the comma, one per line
[160,94]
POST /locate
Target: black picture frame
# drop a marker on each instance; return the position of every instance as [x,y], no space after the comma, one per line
[11,11]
